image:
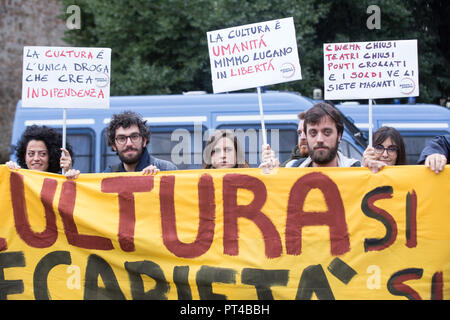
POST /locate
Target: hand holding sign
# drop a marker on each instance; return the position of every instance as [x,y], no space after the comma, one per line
[65,160]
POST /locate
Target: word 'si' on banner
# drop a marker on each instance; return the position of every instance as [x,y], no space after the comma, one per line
[310,235]
[371,70]
[66,77]
[252,56]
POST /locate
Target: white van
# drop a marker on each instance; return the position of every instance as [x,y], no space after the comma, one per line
[182,122]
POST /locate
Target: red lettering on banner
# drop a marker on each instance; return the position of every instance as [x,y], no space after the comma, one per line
[125,187]
[42,239]
[370,210]
[397,287]
[232,211]
[437,286]
[334,217]
[65,207]
[207,207]
[411,219]
[3,244]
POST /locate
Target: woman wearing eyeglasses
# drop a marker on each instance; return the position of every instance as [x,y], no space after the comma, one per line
[388,150]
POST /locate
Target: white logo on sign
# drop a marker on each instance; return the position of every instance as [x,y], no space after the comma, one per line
[287,69]
[407,85]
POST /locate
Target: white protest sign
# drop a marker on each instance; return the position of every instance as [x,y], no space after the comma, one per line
[64,77]
[371,70]
[253,55]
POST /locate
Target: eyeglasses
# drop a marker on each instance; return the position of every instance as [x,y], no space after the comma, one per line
[390,150]
[135,137]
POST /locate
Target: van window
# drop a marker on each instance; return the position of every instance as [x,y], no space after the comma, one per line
[349,150]
[414,146]
[179,145]
[82,142]
[281,137]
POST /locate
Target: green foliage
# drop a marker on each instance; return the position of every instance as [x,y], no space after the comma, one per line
[160,46]
[425,20]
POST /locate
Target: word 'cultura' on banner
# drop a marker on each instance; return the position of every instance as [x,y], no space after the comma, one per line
[309,233]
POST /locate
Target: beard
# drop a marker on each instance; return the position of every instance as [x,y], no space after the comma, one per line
[303,150]
[133,159]
[323,156]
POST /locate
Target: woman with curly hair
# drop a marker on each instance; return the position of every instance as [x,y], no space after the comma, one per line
[39,149]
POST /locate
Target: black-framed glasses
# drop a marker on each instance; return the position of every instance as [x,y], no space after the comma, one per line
[390,150]
[135,137]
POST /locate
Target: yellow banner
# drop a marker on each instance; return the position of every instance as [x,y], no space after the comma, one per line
[331,233]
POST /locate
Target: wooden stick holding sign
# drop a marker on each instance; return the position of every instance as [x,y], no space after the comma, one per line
[64,133]
[370,122]
[371,70]
[261,113]
[254,55]
[64,77]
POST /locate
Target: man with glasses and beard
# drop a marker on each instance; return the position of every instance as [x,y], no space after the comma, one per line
[129,136]
[323,127]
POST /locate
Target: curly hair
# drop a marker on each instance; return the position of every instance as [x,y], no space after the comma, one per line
[125,120]
[52,140]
